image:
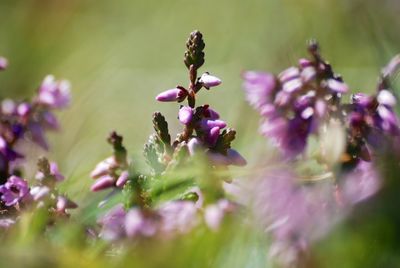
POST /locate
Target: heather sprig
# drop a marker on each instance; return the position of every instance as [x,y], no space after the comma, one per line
[183,186]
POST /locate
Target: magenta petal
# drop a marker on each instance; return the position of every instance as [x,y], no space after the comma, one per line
[208,124]
[235,158]
[64,203]
[258,87]
[211,114]
[289,74]
[392,66]
[185,115]
[337,86]
[37,135]
[193,145]
[209,80]
[122,179]
[3,63]
[104,167]
[386,97]
[212,136]
[170,95]
[103,183]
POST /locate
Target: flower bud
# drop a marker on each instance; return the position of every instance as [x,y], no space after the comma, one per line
[209,80]
[208,124]
[185,115]
[8,107]
[64,203]
[392,66]
[103,167]
[337,86]
[212,136]
[289,74]
[55,94]
[103,183]
[122,179]
[39,192]
[211,114]
[235,158]
[386,97]
[304,63]
[174,94]
[3,63]
[193,145]
[23,109]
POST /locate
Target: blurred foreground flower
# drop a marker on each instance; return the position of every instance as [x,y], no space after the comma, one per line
[300,206]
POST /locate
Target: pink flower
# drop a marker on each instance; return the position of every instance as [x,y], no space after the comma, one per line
[3,63]
[63,203]
[209,80]
[122,179]
[137,224]
[185,115]
[178,217]
[214,214]
[174,94]
[103,183]
[104,167]
[55,94]
[14,190]
[113,223]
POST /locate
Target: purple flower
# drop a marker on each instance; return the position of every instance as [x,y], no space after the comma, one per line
[232,158]
[175,94]
[214,213]
[39,192]
[55,94]
[63,203]
[3,63]
[104,167]
[360,183]
[209,80]
[122,179]
[23,109]
[392,66]
[259,87]
[194,145]
[337,86]
[14,190]
[113,223]
[385,97]
[212,136]
[210,113]
[178,217]
[6,223]
[103,183]
[8,107]
[37,135]
[185,115]
[53,171]
[137,224]
[206,124]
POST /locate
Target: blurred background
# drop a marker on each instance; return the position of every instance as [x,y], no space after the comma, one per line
[119,54]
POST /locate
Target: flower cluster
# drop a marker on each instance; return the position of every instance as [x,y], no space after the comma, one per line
[203,129]
[204,138]
[294,103]
[112,171]
[24,120]
[304,100]
[16,194]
